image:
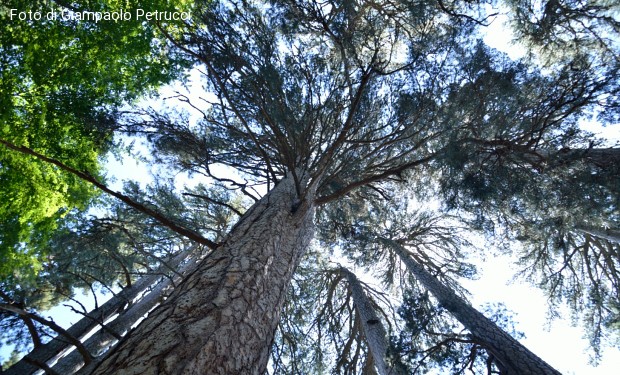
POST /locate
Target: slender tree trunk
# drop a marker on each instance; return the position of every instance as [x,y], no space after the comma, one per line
[222,317]
[376,336]
[513,357]
[51,350]
[600,157]
[106,337]
[606,234]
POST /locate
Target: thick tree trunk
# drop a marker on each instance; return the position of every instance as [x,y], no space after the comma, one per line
[221,318]
[53,349]
[376,336]
[513,357]
[606,234]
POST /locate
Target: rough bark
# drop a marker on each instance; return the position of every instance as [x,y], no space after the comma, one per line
[53,349]
[513,357]
[222,317]
[374,332]
[606,234]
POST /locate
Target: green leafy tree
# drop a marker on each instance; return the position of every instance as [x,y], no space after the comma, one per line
[62,81]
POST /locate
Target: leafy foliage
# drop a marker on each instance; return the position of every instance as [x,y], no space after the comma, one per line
[61,83]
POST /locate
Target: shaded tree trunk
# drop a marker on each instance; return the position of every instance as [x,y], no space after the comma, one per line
[606,234]
[605,158]
[376,336]
[602,157]
[51,350]
[513,357]
[222,317]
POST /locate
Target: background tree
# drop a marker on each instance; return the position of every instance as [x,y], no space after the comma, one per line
[120,247]
[433,340]
[542,187]
[346,334]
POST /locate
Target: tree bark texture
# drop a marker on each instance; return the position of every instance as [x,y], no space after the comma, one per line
[376,336]
[222,317]
[53,349]
[514,358]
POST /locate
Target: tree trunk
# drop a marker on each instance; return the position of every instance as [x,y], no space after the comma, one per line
[105,337]
[52,350]
[513,357]
[222,317]
[602,157]
[376,337]
[606,234]
[605,158]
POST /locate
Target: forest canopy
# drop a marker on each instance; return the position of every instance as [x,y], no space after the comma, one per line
[324,173]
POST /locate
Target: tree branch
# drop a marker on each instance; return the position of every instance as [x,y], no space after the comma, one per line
[25,314]
[373,178]
[125,199]
[208,199]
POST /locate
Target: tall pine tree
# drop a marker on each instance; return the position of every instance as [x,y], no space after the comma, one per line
[320,108]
